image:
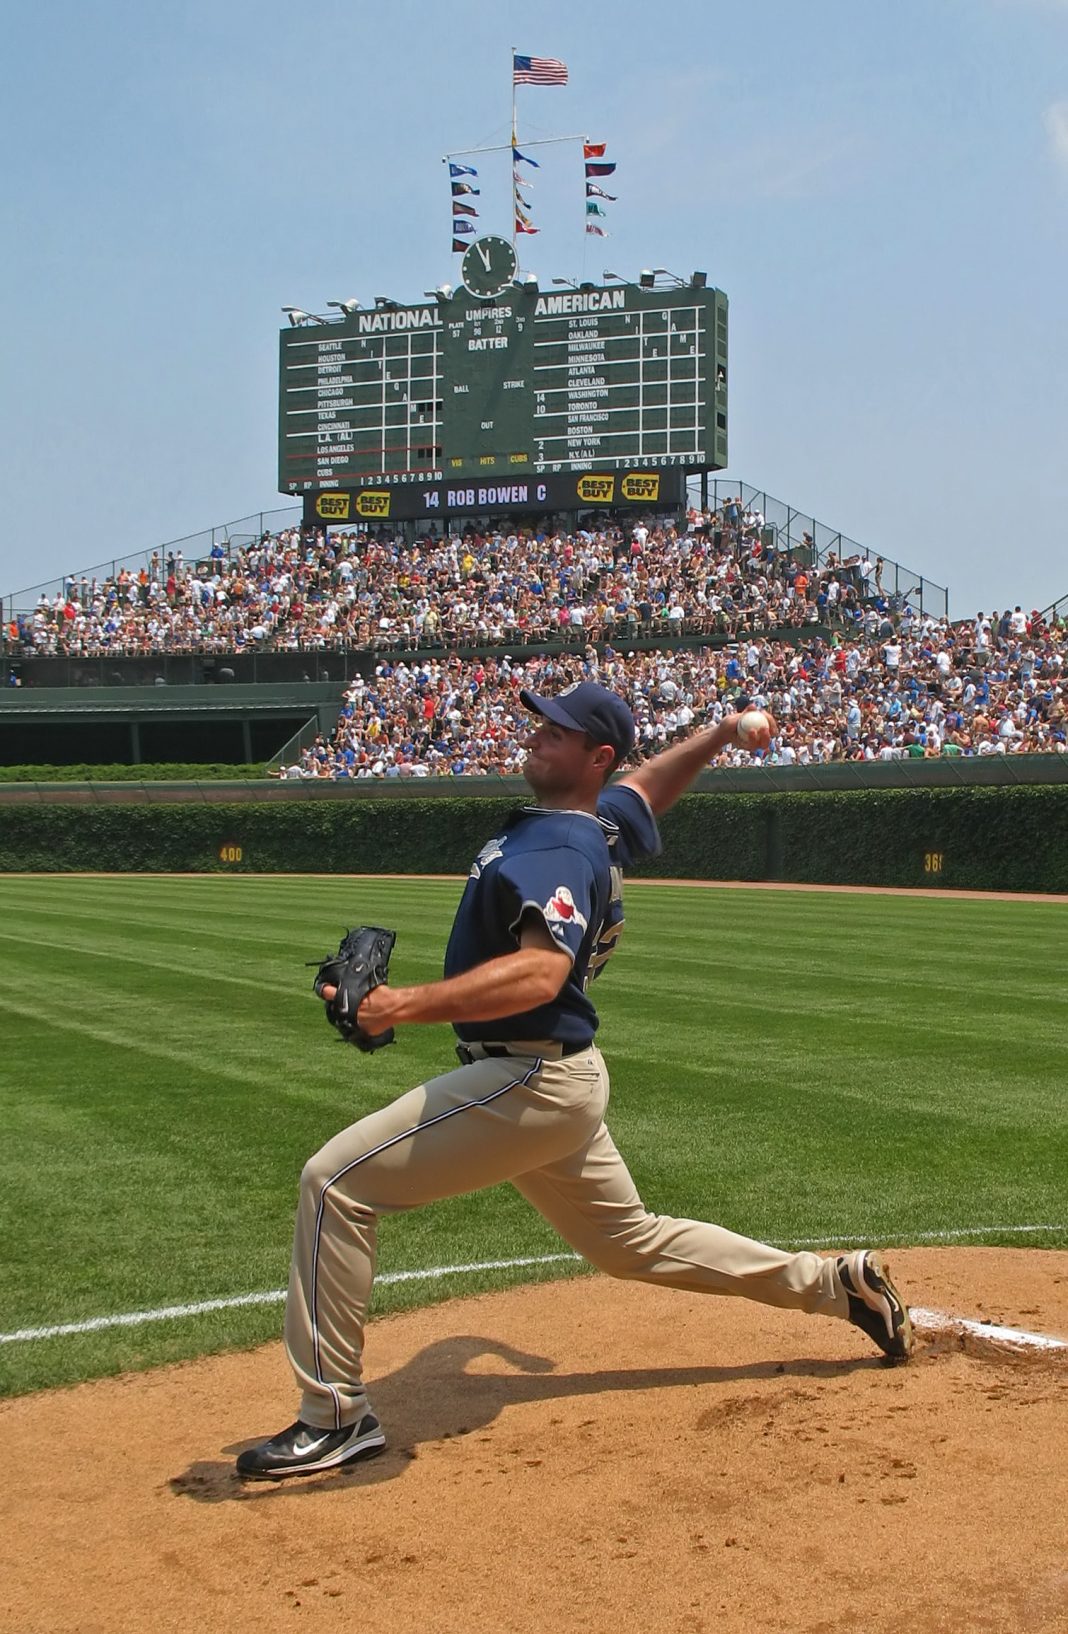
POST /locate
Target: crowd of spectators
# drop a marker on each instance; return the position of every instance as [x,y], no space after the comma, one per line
[923,689]
[884,680]
[719,574]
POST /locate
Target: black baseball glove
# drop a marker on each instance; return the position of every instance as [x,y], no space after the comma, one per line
[360,963]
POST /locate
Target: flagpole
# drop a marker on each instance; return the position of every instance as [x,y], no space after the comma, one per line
[515,139]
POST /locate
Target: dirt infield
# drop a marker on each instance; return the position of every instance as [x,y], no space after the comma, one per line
[579,1457]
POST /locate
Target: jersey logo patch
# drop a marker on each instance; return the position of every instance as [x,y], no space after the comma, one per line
[489,853]
[561,910]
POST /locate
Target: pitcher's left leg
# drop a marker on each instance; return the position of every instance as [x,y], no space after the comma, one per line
[462,1131]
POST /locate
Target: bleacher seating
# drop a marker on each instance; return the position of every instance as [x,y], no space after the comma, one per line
[718,611]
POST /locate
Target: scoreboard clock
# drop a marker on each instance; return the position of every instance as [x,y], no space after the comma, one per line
[501,384]
[488,267]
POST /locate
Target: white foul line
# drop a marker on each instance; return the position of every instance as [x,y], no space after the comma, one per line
[984,1330]
[911,1237]
[274,1296]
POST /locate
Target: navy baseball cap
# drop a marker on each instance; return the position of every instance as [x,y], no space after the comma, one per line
[587,707]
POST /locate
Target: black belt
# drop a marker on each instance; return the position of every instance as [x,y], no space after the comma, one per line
[518,1047]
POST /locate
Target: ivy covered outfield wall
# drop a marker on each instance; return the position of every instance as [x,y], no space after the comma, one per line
[996,839]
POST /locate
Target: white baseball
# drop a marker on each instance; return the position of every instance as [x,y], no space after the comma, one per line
[751,726]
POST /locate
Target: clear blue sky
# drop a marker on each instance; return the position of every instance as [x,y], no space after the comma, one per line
[882,191]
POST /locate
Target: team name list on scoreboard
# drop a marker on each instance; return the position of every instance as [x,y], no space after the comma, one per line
[600,379]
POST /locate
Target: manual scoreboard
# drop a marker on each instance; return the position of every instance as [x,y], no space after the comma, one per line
[526,399]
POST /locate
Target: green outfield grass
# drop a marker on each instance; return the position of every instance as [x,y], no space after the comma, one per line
[797,1066]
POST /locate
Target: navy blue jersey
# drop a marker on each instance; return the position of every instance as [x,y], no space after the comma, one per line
[565,867]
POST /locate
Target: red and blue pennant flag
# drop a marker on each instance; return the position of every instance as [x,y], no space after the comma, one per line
[459,188]
[459,209]
[462,170]
[458,246]
[593,154]
[538,71]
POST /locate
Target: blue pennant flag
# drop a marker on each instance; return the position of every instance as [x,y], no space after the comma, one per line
[462,226]
[516,155]
[462,170]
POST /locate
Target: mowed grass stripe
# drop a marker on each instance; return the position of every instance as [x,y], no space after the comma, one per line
[795,1066]
[77,1027]
[196,1041]
[165,956]
[227,893]
[249,930]
[217,910]
[256,934]
[831,923]
[897,1001]
[228,896]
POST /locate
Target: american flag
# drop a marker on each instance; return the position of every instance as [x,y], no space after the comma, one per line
[538,71]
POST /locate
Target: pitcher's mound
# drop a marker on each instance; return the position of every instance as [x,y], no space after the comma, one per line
[582,1456]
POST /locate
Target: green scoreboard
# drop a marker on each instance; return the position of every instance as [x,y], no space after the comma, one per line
[525,399]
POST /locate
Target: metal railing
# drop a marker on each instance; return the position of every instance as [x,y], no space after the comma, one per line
[292,749]
[808,539]
[1056,612]
[194,547]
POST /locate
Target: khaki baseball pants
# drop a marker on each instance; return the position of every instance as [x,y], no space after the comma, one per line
[538,1121]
